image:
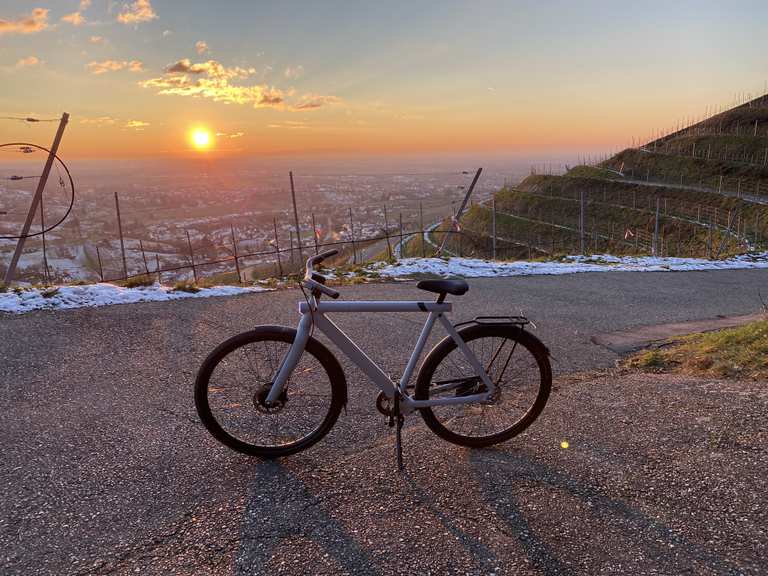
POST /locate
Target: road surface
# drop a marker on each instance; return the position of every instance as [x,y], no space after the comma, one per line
[106,469]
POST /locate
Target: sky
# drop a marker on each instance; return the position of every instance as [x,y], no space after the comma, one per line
[333,76]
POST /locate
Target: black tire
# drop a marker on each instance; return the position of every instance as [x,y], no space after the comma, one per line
[233,414]
[444,364]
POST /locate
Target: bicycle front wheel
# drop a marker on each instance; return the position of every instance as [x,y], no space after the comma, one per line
[517,363]
[233,382]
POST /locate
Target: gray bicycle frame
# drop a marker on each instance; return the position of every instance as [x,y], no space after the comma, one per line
[314,313]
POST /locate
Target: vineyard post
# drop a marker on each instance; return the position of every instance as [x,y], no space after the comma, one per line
[277,249]
[101,269]
[191,257]
[401,234]
[157,268]
[45,251]
[234,251]
[655,245]
[582,211]
[122,240]
[386,233]
[352,237]
[493,226]
[296,220]
[423,232]
[314,231]
[143,256]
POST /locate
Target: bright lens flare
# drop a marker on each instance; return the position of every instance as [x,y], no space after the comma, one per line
[201,138]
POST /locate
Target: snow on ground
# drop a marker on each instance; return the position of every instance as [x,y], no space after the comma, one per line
[475,268]
[92,295]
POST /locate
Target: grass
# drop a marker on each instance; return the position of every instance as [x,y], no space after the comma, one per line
[186,286]
[740,352]
[138,281]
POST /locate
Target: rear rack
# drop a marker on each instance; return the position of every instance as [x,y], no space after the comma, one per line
[500,320]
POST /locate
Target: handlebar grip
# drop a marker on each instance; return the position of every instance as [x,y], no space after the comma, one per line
[323,255]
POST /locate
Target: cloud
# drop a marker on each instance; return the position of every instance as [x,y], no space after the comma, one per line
[36,21]
[28,62]
[315,101]
[220,83]
[201,47]
[115,65]
[232,135]
[99,121]
[96,40]
[290,125]
[295,72]
[137,125]
[167,33]
[75,18]
[137,12]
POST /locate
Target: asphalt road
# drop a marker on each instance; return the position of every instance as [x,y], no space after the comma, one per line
[105,468]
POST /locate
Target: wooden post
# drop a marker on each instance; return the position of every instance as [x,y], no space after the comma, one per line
[157,268]
[493,227]
[582,230]
[191,256]
[352,237]
[386,233]
[277,249]
[655,246]
[423,232]
[144,257]
[122,241]
[401,234]
[314,231]
[42,234]
[234,251]
[460,211]
[11,271]
[290,242]
[101,269]
[296,220]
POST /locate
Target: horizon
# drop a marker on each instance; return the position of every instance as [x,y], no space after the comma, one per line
[391,81]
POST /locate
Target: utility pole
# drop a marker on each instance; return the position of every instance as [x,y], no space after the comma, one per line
[296,219]
[11,271]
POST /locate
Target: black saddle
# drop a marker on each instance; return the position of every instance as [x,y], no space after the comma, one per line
[455,287]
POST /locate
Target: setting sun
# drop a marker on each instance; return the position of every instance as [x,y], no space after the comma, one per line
[201,138]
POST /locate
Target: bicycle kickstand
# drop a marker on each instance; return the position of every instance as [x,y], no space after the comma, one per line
[398,420]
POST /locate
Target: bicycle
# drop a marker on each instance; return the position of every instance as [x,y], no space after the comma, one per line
[249,381]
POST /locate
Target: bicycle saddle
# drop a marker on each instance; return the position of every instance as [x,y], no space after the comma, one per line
[455,287]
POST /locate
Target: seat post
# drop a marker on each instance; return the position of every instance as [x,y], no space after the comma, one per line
[441,298]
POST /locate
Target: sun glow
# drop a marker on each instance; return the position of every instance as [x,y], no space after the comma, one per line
[201,138]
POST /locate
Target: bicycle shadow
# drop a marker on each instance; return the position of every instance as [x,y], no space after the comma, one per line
[652,535]
[280,507]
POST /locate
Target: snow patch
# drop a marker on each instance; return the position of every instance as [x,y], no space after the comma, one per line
[93,295]
[476,268]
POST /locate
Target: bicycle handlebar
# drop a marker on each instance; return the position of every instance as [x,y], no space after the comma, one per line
[309,280]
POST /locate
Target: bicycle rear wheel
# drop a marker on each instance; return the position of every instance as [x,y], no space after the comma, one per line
[517,363]
[233,382]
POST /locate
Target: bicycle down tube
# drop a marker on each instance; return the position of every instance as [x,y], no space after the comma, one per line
[316,315]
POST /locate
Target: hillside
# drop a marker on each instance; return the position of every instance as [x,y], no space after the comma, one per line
[708,183]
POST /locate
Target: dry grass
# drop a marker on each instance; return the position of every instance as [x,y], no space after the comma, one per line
[740,352]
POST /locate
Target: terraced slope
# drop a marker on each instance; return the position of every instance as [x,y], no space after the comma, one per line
[708,184]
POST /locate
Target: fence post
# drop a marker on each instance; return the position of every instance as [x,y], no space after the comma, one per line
[277,249]
[122,242]
[401,234]
[101,269]
[423,232]
[582,211]
[296,220]
[314,231]
[709,239]
[655,246]
[386,233]
[493,227]
[191,256]
[352,237]
[290,242]
[143,256]
[45,251]
[157,268]
[234,249]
